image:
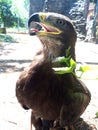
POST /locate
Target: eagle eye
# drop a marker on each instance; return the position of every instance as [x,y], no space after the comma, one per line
[60,22]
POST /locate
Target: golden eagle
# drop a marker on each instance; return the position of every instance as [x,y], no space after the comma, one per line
[57,99]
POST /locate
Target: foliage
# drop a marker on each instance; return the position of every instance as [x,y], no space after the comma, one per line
[68,62]
[6,15]
[96,114]
[70,66]
[6,38]
[64,70]
[18,8]
[12,12]
[26,5]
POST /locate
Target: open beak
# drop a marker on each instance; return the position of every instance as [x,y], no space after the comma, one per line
[39,26]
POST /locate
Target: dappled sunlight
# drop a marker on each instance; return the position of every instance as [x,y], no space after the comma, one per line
[10,66]
[14,58]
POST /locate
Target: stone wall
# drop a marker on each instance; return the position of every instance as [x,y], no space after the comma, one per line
[75,9]
[36,6]
[59,6]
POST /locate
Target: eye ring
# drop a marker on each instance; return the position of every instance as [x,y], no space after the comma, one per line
[60,22]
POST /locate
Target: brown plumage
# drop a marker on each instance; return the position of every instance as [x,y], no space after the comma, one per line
[58,98]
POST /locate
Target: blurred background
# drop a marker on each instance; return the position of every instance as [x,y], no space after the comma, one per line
[84,13]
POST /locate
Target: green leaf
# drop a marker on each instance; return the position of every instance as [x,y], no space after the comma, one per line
[60,59]
[65,60]
[69,65]
[96,114]
[84,68]
[62,70]
[72,63]
[68,52]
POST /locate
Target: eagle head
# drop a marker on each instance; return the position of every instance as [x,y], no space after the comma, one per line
[55,28]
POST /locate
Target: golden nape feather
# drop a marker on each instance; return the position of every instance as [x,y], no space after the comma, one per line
[56,100]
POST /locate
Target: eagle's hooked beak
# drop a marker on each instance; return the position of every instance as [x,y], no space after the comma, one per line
[38,24]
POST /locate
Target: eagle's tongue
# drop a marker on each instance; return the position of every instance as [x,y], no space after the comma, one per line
[48,29]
